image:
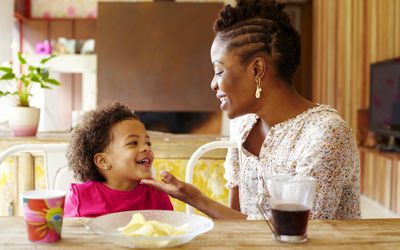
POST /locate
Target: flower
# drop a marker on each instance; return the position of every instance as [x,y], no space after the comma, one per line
[44,218]
[24,81]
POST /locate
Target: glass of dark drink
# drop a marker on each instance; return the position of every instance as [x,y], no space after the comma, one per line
[290,199]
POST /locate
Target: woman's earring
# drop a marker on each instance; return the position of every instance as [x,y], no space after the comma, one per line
[258,89]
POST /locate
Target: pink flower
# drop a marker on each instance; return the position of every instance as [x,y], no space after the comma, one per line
[46,14]
[71,11]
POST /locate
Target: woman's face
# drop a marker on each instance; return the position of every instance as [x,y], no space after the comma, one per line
[129,153]
[233,82]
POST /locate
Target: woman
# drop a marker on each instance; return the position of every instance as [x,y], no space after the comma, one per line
[255,54]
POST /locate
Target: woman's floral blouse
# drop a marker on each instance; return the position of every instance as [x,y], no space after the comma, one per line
[315,143]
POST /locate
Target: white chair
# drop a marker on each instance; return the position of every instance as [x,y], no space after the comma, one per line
[58,175]
[196,156]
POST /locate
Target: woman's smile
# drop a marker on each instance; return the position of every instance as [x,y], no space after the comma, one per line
[223,99]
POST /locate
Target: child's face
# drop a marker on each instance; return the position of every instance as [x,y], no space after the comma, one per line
[129,154]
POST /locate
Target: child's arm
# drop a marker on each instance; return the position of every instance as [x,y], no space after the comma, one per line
[193,196]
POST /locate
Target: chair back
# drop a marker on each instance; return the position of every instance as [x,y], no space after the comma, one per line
[196,156]
[58,174]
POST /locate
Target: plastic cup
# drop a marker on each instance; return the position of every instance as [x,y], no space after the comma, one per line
[43,213]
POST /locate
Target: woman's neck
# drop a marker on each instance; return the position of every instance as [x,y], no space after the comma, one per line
[283,104]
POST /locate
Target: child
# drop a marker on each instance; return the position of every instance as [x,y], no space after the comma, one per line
[110,152]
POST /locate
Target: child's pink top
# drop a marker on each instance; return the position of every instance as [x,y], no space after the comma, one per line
[92,198]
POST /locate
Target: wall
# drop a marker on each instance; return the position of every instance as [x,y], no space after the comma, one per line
[86,8]
[348,36]
[6,24]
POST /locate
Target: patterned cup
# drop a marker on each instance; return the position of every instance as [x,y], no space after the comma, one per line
[43,212]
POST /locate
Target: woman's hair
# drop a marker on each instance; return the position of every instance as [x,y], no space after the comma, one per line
[254,26]
[91,136]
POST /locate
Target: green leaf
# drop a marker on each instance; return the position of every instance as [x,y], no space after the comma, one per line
[44,73]
[31,68]
[45,60]
[5,93]
[52,81]
[35,78]
[21,58]
[7,76]
[25,82]
[8,70]
[44,86]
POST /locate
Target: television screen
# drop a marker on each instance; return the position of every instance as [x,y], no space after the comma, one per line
[385,98]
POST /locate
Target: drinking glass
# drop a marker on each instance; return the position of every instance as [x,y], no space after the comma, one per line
[290,199]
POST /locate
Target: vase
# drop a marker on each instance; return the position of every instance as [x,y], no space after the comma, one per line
[24,121]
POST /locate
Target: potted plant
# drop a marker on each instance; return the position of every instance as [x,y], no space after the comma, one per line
[23,118]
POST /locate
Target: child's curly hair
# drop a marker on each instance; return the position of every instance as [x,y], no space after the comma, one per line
[91,136]
[254,26]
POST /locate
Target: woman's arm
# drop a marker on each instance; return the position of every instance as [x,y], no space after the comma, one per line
[194,197]
[234,198]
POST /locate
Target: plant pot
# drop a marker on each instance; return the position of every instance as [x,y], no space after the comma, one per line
[24,121]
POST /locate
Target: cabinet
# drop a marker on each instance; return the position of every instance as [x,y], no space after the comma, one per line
[380,177]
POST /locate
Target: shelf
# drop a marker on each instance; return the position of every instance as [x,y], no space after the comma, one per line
[68,19]
[87,66]
[380,177]
[387,154]
[73,63]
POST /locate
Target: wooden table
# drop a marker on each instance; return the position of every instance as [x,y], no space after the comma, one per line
[227,234]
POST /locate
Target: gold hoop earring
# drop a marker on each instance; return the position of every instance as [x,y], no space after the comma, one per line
[258,89]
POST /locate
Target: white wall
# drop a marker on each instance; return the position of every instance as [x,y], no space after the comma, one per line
[6,27]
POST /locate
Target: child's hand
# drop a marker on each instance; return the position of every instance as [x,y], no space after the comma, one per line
[175,188]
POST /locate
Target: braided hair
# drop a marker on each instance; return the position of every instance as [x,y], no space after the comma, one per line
[254,26]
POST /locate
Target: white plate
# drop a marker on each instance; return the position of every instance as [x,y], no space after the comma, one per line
[108,225]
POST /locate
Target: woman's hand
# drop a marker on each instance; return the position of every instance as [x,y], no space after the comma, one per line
[191,195]
[178,189]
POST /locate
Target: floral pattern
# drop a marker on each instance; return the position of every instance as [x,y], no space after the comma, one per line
[315,143]
[208,177]
[43,218]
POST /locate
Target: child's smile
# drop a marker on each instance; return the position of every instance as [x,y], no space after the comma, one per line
[129,154]
[146,162]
